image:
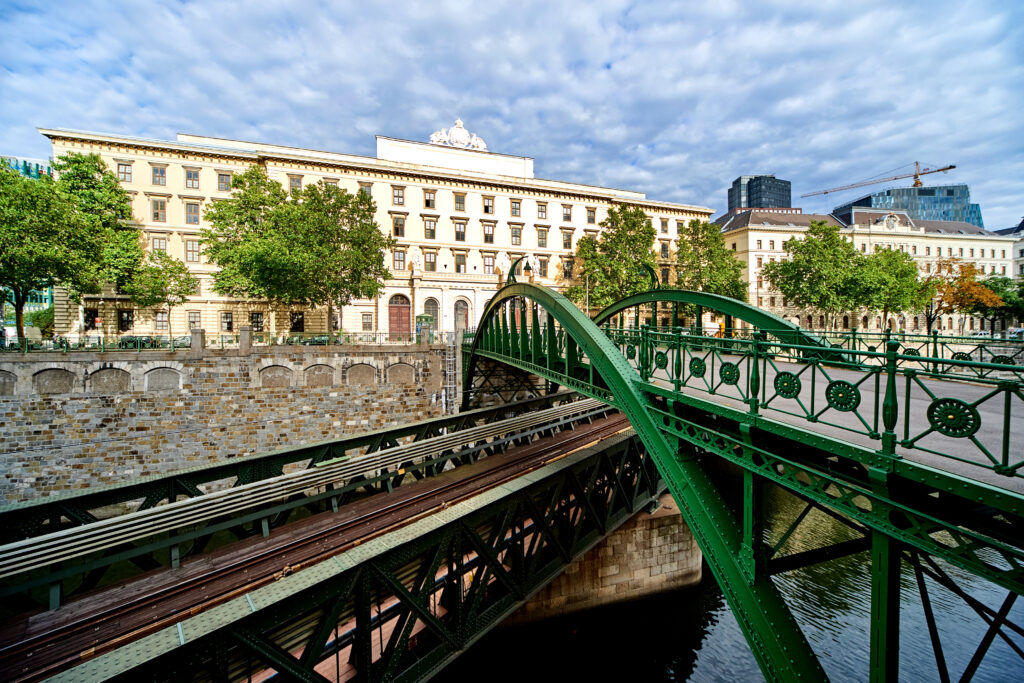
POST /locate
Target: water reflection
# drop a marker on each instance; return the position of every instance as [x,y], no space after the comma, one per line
[691,635]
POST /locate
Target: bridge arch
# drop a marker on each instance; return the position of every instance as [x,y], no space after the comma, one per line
[768,322]
[774,636]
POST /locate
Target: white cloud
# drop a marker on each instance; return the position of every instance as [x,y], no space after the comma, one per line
[671,99]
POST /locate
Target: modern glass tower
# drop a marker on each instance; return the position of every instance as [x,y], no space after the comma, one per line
[760,192]
[936,203]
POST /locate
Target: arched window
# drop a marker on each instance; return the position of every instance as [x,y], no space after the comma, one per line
[821,322]
[846,322]
[399,317]
[864,322]
[461,315]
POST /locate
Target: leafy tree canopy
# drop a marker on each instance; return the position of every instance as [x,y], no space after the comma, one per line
[318,246]
[822,271]
[614,264]
[958,291]
[889,283]
[161,281]
[703,262]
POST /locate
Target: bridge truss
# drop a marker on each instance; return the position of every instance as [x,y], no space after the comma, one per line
[920,464]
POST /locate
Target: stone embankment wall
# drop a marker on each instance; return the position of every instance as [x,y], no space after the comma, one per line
[73,420]
[650,553]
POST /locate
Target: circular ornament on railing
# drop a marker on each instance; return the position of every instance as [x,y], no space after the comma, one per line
[907,351]
[661,360]
[729,373]
[842,396]
[787,385]
[953,417]
[631,352]
[960,355]
[698,367]
[1002,360]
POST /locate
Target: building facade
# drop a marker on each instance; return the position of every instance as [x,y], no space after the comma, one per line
[1017,233]
[936,203]
[758,238]
[461,215]
[760,191]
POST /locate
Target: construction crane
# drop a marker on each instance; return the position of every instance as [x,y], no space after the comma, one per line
[918,172]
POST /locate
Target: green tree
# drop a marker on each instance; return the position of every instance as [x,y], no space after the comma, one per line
[318,246]
[105,209]
[43,319]
[821,273]
[1008,292]
[43,241]
[888,282]
[703,263]
[613,266]
[161,280]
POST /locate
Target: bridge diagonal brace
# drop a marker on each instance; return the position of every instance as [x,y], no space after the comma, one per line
[282,662]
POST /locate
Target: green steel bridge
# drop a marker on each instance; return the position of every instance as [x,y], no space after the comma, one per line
[919,453]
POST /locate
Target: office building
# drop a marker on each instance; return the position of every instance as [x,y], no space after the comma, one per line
[759,192]
[936,203]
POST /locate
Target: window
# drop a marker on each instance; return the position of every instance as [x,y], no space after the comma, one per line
[771,244]
[195,320]
[224,184]
[913,249]
[771,301]
[125,320]
[664,226]
[192,213]
[192,251]
[460,263]
[430,261]
[542,238]
[488,233]
[1003,269]
[542,266]
[863,248]
[759,244]
[591,216]
[159,209]
[734,246]
[256,321]
[567,268]
[124,173]
[517,235]
[927,251]
[429,228]
[227,321]
[89,317]
[192,179]
[759,261]
[514,207]
[161,320]
[488,264]
[297,321]
[488,204]
[960,251]
[160,244]
[460,202]
[198,289]
[294,182]
[664,250]
[949,251]
[542,210]
[566,213]
[760,283]
[429,200]
[760,301]
[398,223]
[367,322]
[366,188]
[460,232]
[398,196]
[159,175]
[664,276]
[332,182]
[399,260]
[567,239]
[972,253]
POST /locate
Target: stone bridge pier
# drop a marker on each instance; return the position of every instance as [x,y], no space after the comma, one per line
[651,553]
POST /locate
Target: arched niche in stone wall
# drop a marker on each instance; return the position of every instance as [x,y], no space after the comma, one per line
[361,374]
[8,380]
[109,381]
[163,379]
[319,376]
[401,373]
[54,381]
[275,376]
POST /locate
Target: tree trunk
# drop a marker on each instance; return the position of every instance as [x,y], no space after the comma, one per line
[19,317]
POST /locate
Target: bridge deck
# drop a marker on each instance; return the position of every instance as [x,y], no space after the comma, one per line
[41,644]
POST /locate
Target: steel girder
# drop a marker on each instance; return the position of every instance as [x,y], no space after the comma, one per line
[404,613]
[558,355]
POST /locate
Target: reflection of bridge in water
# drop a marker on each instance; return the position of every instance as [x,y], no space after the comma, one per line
[918,455]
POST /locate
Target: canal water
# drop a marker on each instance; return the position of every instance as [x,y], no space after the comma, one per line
[691,635]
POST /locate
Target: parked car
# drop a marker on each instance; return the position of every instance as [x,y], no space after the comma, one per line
[982,333]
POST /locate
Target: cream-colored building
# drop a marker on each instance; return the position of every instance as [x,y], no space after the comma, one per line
[758,238]
[460,214]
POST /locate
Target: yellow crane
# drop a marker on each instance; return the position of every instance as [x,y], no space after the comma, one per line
[916,175]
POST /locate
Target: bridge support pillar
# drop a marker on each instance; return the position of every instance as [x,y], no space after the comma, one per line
[885,608]
[651,553]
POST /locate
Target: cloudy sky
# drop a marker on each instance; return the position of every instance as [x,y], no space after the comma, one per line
[673,99]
